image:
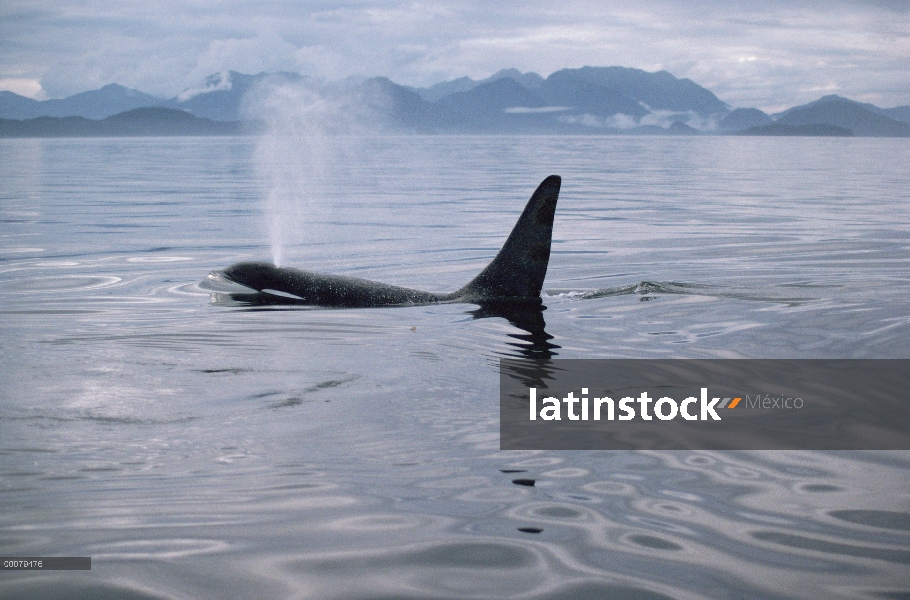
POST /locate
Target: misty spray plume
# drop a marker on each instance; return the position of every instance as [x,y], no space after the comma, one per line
[310,142]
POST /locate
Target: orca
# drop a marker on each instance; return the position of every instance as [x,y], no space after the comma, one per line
[516,275]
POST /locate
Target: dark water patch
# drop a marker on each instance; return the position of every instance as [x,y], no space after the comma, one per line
[300,486]
[883,519]
[658,524]
[40,418]
[650,541]
[473,556]
[596,590]
[820,488]
[806,543]
[578,498]
[330,384]
[300,397]
[292,401]
[124,227]
[425,355]
[68,589]
[810,284]
[558,512]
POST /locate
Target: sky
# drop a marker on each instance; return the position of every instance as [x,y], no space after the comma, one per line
[766,54]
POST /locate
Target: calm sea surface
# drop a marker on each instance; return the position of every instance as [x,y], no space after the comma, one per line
[211,450]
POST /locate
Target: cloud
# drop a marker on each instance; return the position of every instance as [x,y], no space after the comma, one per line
[261,52]
[30,88]
[767,54]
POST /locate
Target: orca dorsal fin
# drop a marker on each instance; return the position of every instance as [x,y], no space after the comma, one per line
[520,267]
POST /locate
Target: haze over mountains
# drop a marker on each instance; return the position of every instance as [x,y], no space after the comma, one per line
[589,100]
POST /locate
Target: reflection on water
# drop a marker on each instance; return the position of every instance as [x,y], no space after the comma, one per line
[273,451]
[527,316]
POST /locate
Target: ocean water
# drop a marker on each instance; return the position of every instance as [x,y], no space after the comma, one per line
[200,449]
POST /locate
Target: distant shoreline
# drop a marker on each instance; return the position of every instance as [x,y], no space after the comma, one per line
[140,122]
[165,122]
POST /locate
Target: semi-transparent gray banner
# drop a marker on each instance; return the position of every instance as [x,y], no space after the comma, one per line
[704,404]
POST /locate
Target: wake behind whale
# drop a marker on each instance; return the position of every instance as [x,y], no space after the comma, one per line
[516,275]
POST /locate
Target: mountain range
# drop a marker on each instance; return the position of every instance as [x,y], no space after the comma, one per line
[588,100]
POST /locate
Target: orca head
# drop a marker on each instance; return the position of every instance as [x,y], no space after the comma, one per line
[253,275]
